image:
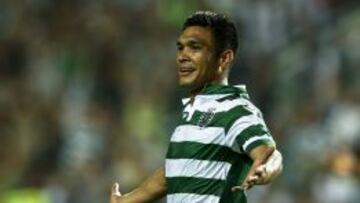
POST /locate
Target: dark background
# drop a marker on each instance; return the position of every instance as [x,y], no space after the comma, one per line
[89,95]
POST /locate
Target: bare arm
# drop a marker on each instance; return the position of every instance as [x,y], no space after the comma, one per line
[151,189]
[266,167]
[270,170]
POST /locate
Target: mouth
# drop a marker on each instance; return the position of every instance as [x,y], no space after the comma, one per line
[185,71]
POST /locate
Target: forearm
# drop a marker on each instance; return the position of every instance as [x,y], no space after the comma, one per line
[267,165]
[272,168]
[151,189]
[260,156]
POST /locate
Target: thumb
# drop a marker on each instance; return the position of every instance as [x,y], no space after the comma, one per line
[115,190]
[261,171]
[115,193]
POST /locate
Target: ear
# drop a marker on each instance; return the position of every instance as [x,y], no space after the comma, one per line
[225,59]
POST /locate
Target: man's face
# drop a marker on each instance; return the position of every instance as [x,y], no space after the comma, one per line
[196,58]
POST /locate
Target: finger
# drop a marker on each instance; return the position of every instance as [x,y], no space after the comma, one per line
[247,185]
[249,181]
[115,190]
[115,193]
[237,189]
[260,171]
[253,178]
[263,173]
[242,188]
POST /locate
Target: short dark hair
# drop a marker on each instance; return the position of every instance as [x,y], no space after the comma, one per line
[223,29]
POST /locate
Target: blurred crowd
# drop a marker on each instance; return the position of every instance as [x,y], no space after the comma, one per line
[89,95]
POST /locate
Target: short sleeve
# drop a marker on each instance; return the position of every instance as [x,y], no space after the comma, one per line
[249,131]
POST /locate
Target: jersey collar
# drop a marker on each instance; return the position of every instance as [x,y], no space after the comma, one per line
[211,89]
[220,91]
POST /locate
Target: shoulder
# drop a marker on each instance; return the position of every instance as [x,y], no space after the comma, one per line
[230,102]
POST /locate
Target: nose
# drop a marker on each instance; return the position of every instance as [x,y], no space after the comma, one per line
[182,56]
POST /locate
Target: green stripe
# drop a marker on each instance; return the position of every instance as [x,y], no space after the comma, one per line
[199,151]
[258,143]
[234,96]
[222,119]
[249,132]
[228,97]
[211,89]
[201,186]
[236,176]
[227,119]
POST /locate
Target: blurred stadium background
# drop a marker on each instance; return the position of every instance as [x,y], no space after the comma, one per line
[89,95]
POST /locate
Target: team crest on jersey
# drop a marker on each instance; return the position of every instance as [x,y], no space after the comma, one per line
[206,118]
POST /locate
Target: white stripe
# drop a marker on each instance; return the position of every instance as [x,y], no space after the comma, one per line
[205,105]
[193,133]
[197,168]
[256,138]
[188,197]
[204,102]
[215,96]
[241,86]
[215,135]
[240,125]
[209,97]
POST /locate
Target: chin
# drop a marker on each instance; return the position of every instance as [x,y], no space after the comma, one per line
[186,84]
[190,86]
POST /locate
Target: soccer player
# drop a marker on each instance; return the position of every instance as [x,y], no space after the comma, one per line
[221,147]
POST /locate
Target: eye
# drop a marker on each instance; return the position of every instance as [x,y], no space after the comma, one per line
[196,47]
[179,46]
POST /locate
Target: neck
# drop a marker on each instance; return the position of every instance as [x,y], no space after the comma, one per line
[223,81]
[197,90]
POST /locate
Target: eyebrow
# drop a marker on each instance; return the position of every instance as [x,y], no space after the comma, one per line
[178,43]
[190,41]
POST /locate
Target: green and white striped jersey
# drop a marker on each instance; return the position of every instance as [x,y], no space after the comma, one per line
[208,149]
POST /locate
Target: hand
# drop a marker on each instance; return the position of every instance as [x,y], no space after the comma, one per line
[150,190]
[259,177]
[263,174]
[270,170]
[115,194]
[249,182]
